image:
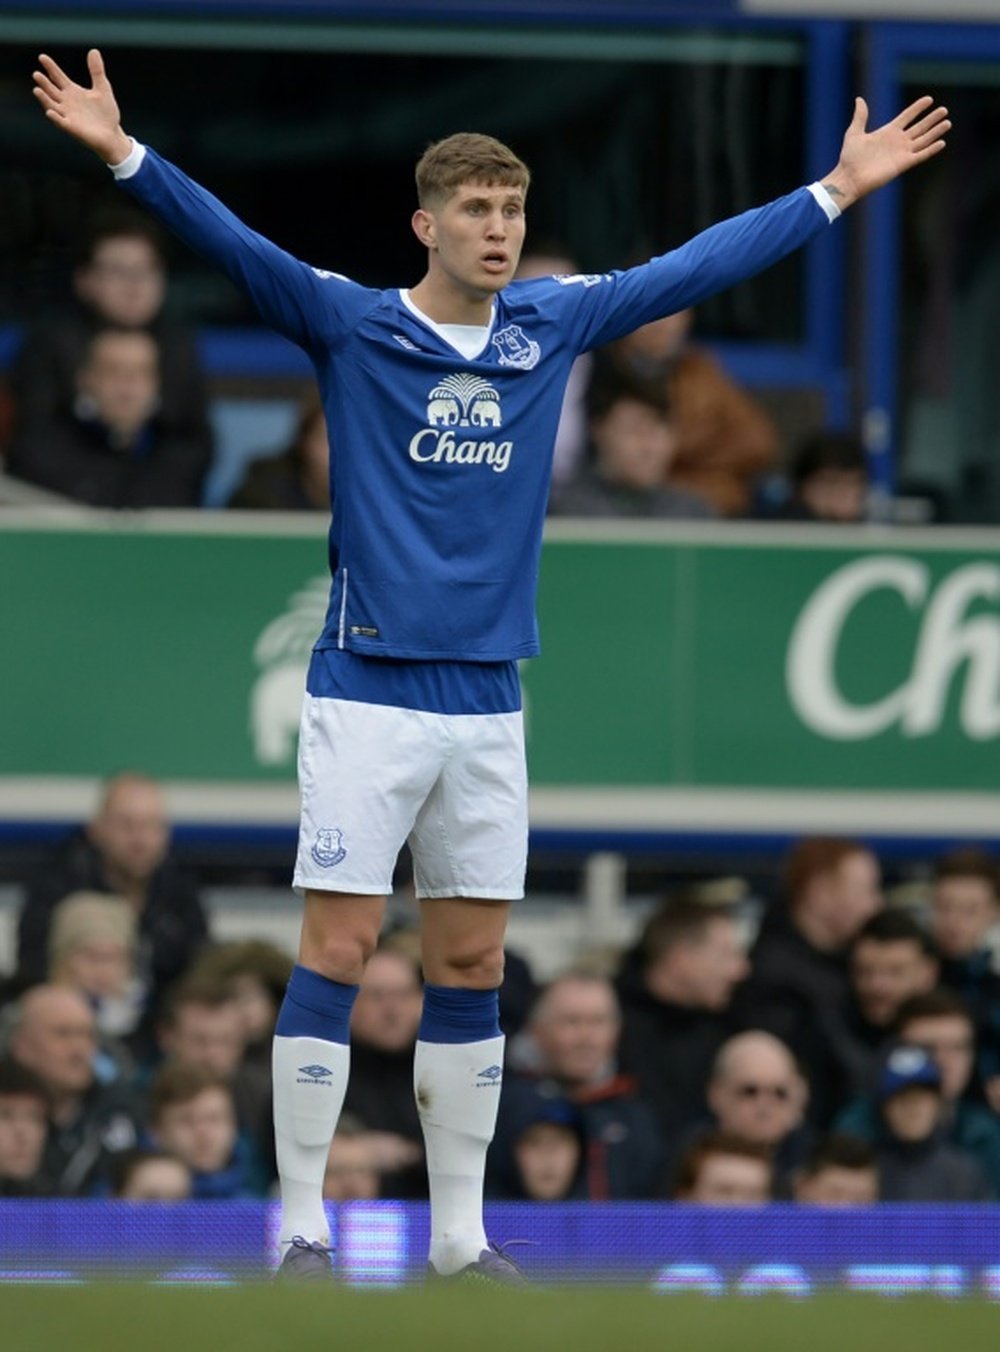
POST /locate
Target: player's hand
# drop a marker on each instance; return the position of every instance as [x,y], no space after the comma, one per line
[870,159]
[90,115]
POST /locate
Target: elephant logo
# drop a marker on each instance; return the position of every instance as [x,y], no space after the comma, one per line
[464,400]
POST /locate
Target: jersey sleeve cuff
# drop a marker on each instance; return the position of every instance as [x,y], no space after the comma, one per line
[130,164]
[825,201]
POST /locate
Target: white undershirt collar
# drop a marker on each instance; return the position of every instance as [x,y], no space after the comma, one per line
[469,340]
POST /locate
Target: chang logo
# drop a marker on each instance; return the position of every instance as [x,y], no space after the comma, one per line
[282,653]
[957,641]
[461,401]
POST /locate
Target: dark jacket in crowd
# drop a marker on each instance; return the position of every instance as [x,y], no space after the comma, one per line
[76,457]
[620,1140]
[974,979]
[43,376]
[973,1129]
[380,1094]
[668,1049]
[172,925]
[77,1154]
[591,495]
[929,1171]
[800,994]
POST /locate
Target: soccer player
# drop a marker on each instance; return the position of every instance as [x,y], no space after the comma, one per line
[442,403]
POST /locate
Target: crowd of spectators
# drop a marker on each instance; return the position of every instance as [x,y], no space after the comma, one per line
[109,407]
[840,1051]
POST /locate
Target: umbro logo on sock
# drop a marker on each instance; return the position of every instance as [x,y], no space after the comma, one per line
[314,1075]
[490,1076]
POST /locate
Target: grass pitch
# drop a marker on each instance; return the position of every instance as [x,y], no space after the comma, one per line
[271,1318]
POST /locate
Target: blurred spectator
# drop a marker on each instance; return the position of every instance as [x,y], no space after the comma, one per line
[798,985]
[150,1176]
[965,907]
[540,1156]
[352,1173]
[633,443]
[892,960]
[192,1116]
[112,448]
[201,1027]
[916,1164]
[841,1171]
[550,259]
[675,988]
[723,438]
[55,1035]
[942,1024]
[121,283]
[296,479]
[829,480]
[572,1057]
[384,1026]
[92,945]
[255,973]
[24,1127]
[719,1169]
[757,1092]
[124,850]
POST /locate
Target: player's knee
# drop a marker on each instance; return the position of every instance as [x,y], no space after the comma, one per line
[340,957]
[477,967]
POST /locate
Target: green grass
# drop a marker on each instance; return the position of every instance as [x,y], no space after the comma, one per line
[270,1318]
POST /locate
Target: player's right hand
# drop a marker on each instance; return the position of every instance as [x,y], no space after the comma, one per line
[90,115]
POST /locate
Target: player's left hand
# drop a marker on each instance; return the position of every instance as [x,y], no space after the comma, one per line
[870,159]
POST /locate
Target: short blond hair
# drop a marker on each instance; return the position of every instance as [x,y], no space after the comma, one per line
[467,157]
[83,917]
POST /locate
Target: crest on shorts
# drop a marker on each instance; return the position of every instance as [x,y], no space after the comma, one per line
[515,349]
[329,847]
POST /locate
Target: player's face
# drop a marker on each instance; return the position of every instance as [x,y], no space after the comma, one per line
[476,236]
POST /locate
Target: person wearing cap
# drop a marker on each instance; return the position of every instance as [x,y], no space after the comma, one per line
[916,1163]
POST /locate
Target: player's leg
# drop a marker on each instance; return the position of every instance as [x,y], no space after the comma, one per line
[311,1052]
[363,771]
[469,853]
[458,1068]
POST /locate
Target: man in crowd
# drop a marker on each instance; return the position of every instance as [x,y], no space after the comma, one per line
[55,1037]
[965,908]
[721,1169]
[840,1170]
[112,447]
[798,984]
[757,1092]
[675,989]
[124,850]
[892,960]
[573,1037]
[24,1128]
[941,1023]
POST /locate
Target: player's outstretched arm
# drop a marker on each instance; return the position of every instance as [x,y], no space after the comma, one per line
[870,159]
[89,115]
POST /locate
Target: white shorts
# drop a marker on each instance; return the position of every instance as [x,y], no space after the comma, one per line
[373,776]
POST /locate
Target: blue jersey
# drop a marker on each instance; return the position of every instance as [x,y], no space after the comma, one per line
[440,465]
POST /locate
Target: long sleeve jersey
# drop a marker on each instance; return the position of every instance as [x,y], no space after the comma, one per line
[440,465]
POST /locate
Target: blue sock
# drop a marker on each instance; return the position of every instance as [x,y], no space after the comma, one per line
[455,1015]
[315,1006]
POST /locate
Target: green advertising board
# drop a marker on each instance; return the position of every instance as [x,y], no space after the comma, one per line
[692,677]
